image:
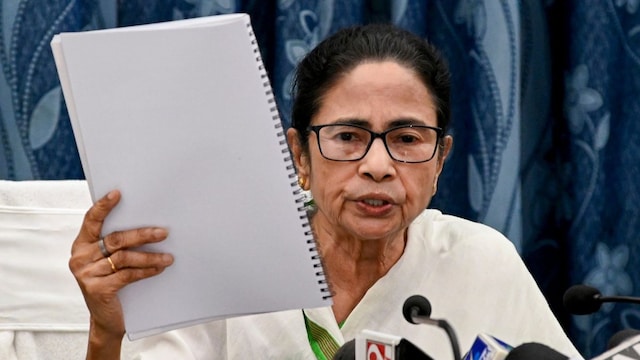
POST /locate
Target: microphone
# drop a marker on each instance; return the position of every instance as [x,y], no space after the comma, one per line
[417,310]
[584,300]
[417,306]
[373,345]
[534,351]
[487,347]
[621,336]
[347,351]
[627,349]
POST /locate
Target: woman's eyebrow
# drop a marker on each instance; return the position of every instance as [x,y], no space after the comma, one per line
[352,121]
[366,124]
[406,121]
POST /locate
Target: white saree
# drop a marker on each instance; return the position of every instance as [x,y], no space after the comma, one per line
[472,275]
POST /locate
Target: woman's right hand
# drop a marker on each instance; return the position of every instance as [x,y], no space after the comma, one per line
[102,272]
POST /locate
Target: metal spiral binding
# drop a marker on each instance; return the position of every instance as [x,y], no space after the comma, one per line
[289,166]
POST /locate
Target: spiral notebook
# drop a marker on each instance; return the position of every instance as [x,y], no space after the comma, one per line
[180,116]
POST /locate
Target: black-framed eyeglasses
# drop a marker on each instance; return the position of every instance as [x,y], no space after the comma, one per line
[348,142]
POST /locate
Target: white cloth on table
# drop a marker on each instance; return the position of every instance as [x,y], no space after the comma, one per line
[42,311]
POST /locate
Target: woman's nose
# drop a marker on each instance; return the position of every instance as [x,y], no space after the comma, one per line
[377,163]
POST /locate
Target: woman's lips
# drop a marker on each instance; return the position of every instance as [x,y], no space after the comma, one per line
[374,206]
[375,202]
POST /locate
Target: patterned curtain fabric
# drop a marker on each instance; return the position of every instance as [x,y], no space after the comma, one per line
[600,155]
[546,103]
[35,133]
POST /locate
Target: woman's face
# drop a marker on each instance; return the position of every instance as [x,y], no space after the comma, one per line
[375,197]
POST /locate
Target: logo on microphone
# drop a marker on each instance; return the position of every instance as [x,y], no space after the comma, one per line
[378,350]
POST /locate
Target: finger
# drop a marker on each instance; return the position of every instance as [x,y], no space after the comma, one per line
[131,275]
[108,285]
[94,218]
[139,260]
[101,268]
[122,240]
[84,254]
[95,269]
[124,260]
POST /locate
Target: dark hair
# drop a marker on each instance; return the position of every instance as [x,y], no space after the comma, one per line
[340,53]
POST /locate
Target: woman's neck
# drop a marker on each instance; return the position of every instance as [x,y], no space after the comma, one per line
[353,265]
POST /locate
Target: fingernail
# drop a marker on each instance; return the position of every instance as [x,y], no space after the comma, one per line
[111,195]
[159,233]
[167,259]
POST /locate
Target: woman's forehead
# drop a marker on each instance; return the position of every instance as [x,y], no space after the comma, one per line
[377,91]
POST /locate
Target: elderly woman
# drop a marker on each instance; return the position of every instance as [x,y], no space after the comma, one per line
[369,122]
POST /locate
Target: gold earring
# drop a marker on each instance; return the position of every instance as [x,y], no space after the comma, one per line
[302,181]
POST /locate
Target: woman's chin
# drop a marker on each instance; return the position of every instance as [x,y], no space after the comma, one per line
[375,229]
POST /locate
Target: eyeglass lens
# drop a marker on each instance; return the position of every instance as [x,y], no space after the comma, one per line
[407,143]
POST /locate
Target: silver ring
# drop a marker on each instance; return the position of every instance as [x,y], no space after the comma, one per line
[103,249]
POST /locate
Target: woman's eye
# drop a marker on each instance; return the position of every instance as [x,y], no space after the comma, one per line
[408,138]
[346,136]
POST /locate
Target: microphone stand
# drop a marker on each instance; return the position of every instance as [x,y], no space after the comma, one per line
[625,299]
[443,324]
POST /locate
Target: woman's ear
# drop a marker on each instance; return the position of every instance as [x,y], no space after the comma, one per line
[300,157]
[447,143]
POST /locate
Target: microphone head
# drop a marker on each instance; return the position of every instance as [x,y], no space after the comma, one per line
[534,351]
[622,335]
[346,351]
[416,305]
[582,300]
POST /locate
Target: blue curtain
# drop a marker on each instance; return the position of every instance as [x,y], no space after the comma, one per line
[35,134]
[546,116]
[600,154]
